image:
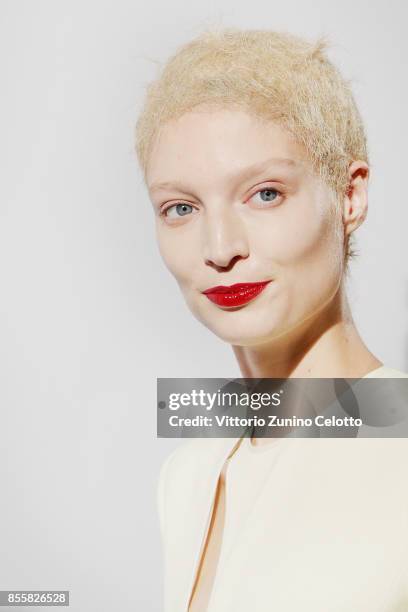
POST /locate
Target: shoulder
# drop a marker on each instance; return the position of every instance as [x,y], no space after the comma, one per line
[386,372]
[194,455]
[194,462]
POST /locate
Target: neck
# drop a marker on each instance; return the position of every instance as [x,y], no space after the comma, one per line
[326,345]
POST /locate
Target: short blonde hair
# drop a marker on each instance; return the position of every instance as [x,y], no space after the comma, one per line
[274,75]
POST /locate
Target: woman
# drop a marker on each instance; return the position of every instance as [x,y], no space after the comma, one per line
[255,159]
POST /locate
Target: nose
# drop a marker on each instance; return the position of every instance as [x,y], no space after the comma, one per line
[224,239]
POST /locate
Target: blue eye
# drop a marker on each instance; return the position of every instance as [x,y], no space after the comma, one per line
[180,210]
[269,194]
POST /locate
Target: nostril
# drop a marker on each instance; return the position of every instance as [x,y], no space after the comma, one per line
[227,267]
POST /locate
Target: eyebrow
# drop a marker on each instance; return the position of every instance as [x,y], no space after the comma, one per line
[242,174]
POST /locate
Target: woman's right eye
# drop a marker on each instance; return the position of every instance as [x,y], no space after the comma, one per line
[176,211]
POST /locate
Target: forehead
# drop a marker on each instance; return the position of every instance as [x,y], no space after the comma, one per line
[219,144]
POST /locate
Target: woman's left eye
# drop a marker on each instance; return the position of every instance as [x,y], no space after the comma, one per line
[267,195]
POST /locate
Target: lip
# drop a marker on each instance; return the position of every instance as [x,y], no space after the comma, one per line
[235,295]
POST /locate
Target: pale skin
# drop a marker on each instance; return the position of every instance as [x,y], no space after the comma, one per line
[300,325]
[255,210]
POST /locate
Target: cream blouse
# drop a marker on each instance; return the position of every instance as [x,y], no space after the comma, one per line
[311,525]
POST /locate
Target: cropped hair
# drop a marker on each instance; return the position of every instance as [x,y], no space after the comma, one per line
[274,75]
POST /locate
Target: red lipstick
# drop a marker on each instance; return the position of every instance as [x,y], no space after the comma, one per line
[235,295]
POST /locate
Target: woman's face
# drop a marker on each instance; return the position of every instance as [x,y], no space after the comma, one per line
[236,201]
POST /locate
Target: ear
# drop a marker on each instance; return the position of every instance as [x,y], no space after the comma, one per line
[356,198]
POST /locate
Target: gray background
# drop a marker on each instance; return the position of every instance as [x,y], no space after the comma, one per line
[90,316]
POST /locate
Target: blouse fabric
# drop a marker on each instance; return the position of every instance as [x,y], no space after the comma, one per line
[311,524]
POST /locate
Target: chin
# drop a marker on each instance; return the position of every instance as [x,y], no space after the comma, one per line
[242,328]
[250,339]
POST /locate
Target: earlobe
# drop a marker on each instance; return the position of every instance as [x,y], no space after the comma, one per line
[356,198]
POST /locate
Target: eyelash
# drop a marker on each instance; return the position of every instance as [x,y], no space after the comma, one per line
[280,193]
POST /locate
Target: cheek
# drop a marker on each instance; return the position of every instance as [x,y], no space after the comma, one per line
[305,254]
[303,235]
[177,252]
